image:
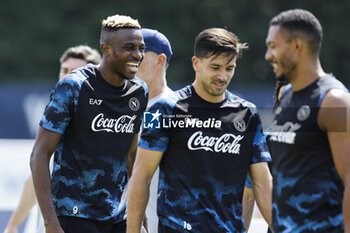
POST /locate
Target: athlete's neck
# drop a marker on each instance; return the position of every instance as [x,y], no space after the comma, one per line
[157,86]
[306,73]
[109,76]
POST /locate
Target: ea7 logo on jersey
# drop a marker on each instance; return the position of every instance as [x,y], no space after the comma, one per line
[151,120]
[95,101]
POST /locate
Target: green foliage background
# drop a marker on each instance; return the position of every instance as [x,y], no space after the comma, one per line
[35,33]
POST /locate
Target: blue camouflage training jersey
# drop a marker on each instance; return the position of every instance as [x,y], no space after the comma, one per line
[97,122]
[307,191]
[208,148]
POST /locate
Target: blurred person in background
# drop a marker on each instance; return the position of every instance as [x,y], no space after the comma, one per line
[152,70]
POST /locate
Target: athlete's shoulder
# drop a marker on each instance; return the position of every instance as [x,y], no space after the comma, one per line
[328,84]
[86,71]
[336,98]
[166,102]
[139,82]
[329,81]
[168,99]
[240,102]
[79,75]
[184,92]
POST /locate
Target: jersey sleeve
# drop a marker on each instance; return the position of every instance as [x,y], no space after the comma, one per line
[260,152]
[153,135]
[61,106]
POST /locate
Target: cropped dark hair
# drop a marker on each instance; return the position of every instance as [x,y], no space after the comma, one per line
[301,22]
[216,41]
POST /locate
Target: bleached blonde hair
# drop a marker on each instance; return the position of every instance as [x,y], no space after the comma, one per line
[116,22]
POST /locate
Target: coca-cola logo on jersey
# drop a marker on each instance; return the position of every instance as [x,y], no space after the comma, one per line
[123,124]
[227,143]
[285,133]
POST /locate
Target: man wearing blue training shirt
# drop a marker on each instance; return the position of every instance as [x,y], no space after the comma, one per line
[92,122]
[205,140]
[310,133]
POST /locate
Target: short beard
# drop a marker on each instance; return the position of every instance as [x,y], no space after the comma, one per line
[212,92]
[281,78]
[123,76]
[286,76]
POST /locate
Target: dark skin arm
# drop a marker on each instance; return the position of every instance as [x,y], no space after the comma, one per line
[44,146]
[132,154]
[334,118]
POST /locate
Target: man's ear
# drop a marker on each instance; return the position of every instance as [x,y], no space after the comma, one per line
[298,45]
[195,63]
[106,49]
[161,59]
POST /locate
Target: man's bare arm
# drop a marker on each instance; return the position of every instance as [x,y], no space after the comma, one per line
[334,118]
[262,186]
[145,165]
[132,154]
[45,145]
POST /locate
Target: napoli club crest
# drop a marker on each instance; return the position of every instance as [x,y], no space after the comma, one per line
[303,113]
[134,104]
[239,125]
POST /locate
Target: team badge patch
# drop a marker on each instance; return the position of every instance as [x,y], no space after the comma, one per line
[303,113]
[240,125]
[134,104]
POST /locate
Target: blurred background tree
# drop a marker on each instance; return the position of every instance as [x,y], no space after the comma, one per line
[35,33]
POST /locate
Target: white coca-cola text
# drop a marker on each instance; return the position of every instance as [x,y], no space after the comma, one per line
[123,124]
[227,143]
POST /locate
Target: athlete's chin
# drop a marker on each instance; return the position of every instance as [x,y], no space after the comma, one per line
[128,75]
[281,78]
[218,92]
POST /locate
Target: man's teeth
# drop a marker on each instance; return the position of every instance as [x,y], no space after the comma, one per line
[133,64]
